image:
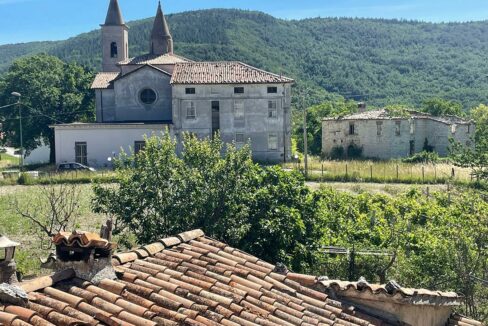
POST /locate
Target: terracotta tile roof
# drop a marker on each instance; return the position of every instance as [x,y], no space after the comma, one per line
[344,288]
[185,280]
[153,59]
[82,239]
[459,320]
[231,72]
[103,80]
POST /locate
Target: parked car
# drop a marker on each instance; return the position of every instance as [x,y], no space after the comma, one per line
[70,167]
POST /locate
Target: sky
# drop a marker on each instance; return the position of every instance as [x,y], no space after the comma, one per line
[39,20]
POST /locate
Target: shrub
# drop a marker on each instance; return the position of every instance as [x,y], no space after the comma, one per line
[337,153]
[427,147]
[354,151]
[25,179]
[423,157]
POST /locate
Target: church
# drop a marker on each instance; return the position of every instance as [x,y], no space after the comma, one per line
[163,92]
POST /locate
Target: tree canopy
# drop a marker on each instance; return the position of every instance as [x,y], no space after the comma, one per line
[52,92]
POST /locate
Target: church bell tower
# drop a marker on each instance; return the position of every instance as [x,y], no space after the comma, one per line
[115,39]
[161,40]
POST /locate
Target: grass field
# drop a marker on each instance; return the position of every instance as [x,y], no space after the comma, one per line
[8,161]
[390,171]
[21,230]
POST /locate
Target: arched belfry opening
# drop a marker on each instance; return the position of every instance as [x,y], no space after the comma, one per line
[114,53]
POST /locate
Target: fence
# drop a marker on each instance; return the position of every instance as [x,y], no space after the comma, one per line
[368,171]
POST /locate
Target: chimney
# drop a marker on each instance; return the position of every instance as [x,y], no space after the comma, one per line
[88,254]
[8,268]
[362,107]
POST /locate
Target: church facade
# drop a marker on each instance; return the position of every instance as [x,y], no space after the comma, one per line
[163,92]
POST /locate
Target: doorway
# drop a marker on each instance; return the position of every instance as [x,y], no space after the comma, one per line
[412,147]
[215,117]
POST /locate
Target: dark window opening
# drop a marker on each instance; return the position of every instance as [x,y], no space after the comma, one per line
[238,90]
[398,128]
[139,146]
[113,50]
[190,91]
[272,90]
[148,96]
[215,117]
[352,129]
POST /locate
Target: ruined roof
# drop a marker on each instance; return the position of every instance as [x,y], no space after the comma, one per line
[114,15]
[223,72]
[104,80]
[385,114]
[189,279]
[155,59]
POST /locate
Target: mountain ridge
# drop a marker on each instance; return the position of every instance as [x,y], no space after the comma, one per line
[380,61]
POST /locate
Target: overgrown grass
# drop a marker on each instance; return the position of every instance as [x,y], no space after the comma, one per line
[7,161]
[19,229]
[383,172]
[60,178]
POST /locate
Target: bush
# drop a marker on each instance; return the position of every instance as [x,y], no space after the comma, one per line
[25,179]
[337,153]
[423,157]
[354,151]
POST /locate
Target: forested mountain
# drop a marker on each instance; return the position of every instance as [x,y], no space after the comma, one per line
[378,61]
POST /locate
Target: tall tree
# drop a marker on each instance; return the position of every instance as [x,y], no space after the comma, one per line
[438,107]
[52,92]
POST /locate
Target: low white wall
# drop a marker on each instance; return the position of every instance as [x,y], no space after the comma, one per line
[103,141]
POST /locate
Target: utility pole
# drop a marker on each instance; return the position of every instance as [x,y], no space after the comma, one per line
[21,161]
[305,137]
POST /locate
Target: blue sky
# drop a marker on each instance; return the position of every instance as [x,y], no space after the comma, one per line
[33,20]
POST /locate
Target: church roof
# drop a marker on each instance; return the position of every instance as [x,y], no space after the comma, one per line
[224,72]
[154,59]
[103,80]
[114,15]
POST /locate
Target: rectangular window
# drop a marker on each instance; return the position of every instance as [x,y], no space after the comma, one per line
[272,90]
[398,128]
[240,138]
[272,109]
[352,129]
[81,153]
[469,129]
[379,128]
[238,90]
[139,146]
[412,127]
[239,110]
[191,112]
[273,142]
[190,90]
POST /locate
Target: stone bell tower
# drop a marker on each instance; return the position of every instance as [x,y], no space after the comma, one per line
[115,39]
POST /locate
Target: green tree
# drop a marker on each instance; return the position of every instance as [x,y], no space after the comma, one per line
[262,210]
[439,107]
[476,157]
[52,92]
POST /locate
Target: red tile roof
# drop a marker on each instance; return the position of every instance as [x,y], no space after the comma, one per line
[153,59]
[103,80]
[231,72]
[185,280]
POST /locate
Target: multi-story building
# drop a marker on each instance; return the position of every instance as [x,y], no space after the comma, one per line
[161,91]
[383,134]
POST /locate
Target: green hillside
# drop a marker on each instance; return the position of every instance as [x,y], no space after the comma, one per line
[379,61]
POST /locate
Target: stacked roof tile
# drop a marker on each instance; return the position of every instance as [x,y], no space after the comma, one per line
[223,72]
[83,240]
[185,280]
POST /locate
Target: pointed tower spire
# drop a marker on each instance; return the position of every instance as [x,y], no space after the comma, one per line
[114,15]
[161,40]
